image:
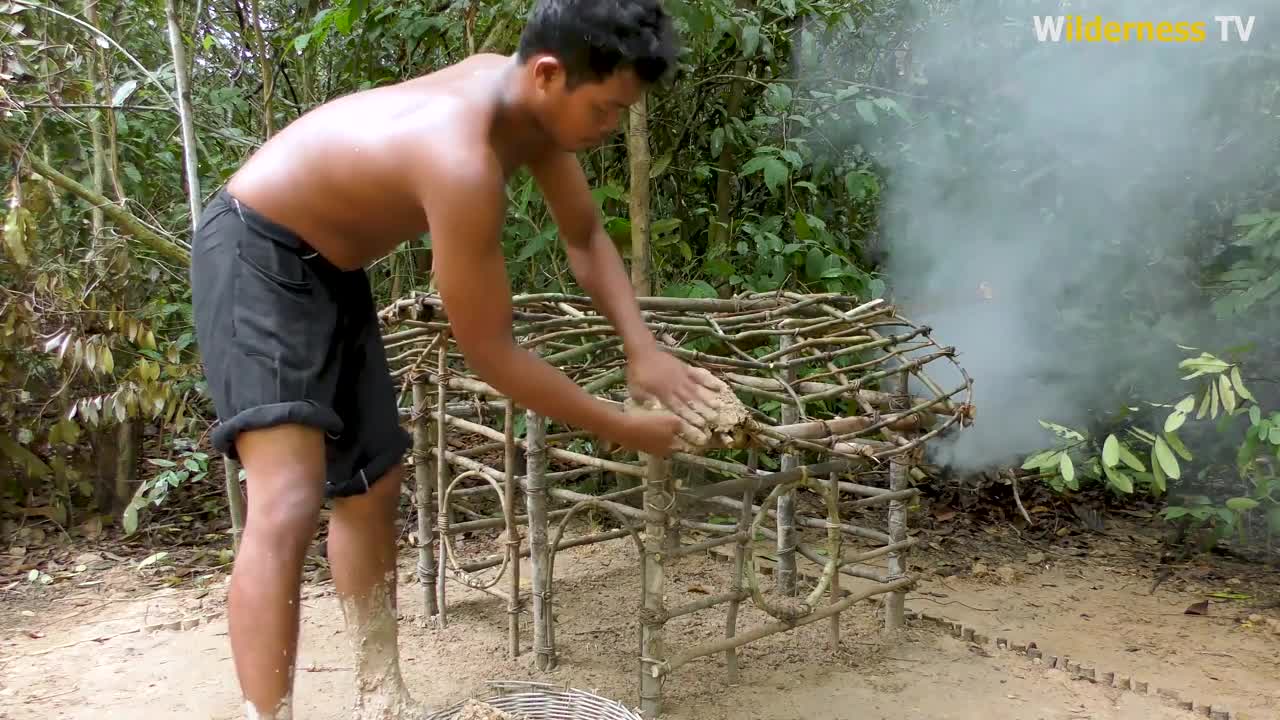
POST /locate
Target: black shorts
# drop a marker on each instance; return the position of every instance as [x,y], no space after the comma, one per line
[287,337]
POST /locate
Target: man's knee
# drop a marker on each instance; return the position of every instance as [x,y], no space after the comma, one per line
[290,512]
[285,472]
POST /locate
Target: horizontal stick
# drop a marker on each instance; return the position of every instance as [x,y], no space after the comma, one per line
[494,560]
[580,458]
[562,494]
[461,409]
[705,603]
[878,552]
[872,397]
[685,550]
[763,631]
[756,483]
[812,522]
[886,497]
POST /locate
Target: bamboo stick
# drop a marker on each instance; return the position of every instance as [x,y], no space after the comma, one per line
[785,578]
[705,604]
[848,529]
[899,480]
[577,497]
[659,497]
[562,454]
[762,631]
[593,539]
[422,492]
[694,549]
[442,471]
[513,552]
[536,500]
[556,538]
[757,483]
[739,568]
[834,549]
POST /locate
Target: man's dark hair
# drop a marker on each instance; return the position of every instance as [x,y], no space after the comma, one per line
[594,38]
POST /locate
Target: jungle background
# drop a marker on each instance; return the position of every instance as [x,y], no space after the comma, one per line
[1094,228]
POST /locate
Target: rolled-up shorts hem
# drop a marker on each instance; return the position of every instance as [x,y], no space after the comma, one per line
[364,478]
[298,412]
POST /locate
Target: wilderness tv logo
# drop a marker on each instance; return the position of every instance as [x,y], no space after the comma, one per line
[1097,29]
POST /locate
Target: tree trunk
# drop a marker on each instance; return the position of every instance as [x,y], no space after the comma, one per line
[128,440]
[124,220]
[638,150]
[181,74]
[97,221]
[726,166]
[268,77]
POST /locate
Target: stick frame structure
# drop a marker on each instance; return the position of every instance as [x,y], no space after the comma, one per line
[843,398]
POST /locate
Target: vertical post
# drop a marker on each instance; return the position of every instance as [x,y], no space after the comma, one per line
[513,530]
[786,579]
[658,496]
[182,81]
[739,569]
[834,539]
[535,493]
[899,479]
[422,464]
[638,154]
[235,502]
[442,481]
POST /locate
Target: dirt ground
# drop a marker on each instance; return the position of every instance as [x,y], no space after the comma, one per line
[81,648]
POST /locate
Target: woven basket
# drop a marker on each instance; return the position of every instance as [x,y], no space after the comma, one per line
[539,701]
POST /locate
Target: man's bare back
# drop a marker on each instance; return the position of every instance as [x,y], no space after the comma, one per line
[346,176]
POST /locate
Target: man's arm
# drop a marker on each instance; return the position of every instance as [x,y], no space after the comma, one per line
[466,212]
[592,256]
[598,268]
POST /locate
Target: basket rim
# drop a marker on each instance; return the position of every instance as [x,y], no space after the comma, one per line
[507,688]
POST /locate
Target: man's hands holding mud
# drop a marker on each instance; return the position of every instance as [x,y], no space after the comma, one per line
[690,393]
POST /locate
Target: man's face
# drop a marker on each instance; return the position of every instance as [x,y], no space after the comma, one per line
[585,116]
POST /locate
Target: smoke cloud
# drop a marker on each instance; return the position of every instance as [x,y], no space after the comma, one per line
[1072,179]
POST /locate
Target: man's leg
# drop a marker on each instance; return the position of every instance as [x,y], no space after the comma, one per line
[362,552]
[365,474]
[285,467]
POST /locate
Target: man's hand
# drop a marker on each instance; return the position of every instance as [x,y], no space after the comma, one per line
[688,392]
[650,432]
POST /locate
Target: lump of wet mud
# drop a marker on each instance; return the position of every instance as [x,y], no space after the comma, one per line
[476,710]
[720,422]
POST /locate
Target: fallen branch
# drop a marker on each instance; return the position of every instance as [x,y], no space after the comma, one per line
[161,244]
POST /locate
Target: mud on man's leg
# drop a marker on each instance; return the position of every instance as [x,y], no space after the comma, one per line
[362,552]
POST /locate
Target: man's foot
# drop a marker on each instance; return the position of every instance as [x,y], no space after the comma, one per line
[283,711]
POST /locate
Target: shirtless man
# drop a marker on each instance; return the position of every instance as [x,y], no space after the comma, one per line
[288,333]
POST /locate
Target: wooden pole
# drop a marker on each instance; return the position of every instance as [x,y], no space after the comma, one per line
[659,497]
[740,551]
[786,573]
[535,493]
[513,530]
[638,153]
[422,477]
[235,501]
[442,482]
[899,480]
[834,549]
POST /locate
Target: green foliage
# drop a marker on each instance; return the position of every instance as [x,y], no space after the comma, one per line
[1163,458]
[768,173]
[191,467]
